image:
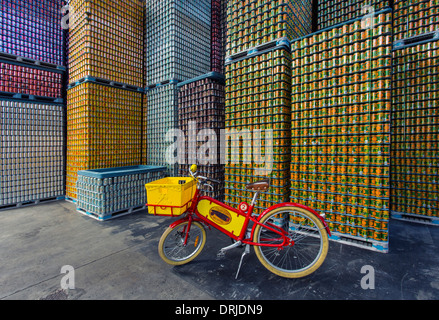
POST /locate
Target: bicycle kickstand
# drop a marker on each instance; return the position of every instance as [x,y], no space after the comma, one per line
[246,252]
[223,251]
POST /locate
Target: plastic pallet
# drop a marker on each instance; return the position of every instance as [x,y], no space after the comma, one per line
[406,217]
[268,46]
[70,200]
[153,86]
[6,57]
[105,82]
[29,97]
[211,75]
[30,203]
[113,215]
[377,246]
[413,41]
[120,171]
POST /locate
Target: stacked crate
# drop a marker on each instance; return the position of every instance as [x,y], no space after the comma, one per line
[252,23]
[415,160]
[105,95]
[341,104]
[32,71]
[414,18]
[201,105]
[177,48]
[333,12]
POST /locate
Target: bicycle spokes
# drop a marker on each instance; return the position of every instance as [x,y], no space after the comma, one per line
[303,247]
[180,244]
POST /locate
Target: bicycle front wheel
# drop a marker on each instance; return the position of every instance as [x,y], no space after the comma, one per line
[308,251]
[172,247]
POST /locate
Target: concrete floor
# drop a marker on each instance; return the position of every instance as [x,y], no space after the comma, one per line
[118,259]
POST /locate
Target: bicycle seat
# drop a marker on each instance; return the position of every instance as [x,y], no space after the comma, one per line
[259,186]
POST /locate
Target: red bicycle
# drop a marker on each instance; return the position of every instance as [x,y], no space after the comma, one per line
[289,239]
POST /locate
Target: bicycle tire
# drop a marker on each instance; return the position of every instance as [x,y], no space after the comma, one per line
[291,257]
[171,248]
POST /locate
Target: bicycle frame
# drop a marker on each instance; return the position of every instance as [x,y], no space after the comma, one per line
[194,215]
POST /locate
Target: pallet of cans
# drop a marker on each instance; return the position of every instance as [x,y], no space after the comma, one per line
[177,40]
[415,135]
[201,108]
[414,18]
[218,36]
[144,156]
[258,133]
[161,115]
[254,22]
[37,83]
[106,41]
[340,128]
[32,30]
[110,193]
[104,127]
[32,149]
[333,12]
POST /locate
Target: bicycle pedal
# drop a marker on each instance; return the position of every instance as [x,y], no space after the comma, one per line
[220,255]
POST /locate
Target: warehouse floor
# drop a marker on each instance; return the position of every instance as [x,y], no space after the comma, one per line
[118,259]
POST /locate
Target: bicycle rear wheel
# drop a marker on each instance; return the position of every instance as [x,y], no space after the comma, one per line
[310,242]
[172,248]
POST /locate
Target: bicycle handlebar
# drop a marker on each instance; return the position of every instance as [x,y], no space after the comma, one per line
[209,179]
[195,176]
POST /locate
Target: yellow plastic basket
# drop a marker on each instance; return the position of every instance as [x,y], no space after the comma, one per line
[170,196]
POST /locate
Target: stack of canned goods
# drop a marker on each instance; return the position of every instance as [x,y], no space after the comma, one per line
[332,12]
[218,36]
[30,81]
[202,103]
[32,145]
[104,127]
[144,156]
[106,41]
[258,101]
[254,22]
[105,193]
[161,119]
[341,103]
[415,142]
[31,29]
[177,40]
[413,18]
